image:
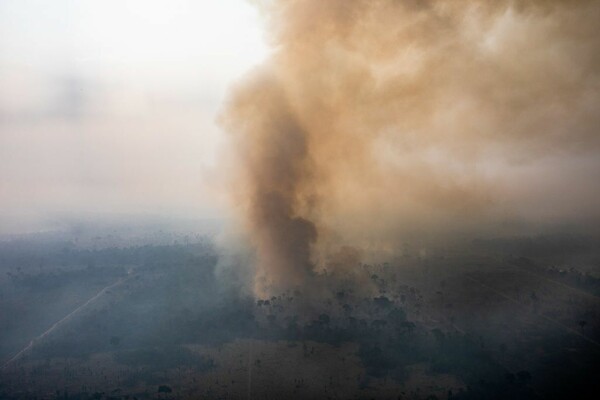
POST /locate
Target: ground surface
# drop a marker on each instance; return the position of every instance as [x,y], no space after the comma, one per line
[495,320]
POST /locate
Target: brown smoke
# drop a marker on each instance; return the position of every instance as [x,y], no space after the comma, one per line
[376,119]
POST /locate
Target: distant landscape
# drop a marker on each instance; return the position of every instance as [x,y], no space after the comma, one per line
[497,318]
[300,199]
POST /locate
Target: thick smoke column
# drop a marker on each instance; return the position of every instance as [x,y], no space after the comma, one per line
[275,169]
[377,119]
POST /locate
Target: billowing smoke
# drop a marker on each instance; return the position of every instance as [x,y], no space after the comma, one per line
[378,120]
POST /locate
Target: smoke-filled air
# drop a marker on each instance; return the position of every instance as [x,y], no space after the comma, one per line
[299,199]
[376,122]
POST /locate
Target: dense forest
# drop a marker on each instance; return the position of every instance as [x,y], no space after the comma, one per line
[494,319]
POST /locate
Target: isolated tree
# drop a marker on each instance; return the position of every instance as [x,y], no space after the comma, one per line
[510,377]
[397,315]
[503,348]
[533,296]
[382,302]
[408,326]
[164,389]
[324,319]
[438,335]
[582,325]
[524,376]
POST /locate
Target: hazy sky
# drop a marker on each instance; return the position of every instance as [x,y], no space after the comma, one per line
[431,115]
[110,105]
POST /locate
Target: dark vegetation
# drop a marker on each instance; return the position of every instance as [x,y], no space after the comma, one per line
[496,318]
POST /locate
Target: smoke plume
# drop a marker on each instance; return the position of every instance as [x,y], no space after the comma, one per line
[375,120]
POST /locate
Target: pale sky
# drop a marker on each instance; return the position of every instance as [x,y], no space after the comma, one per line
[109,106]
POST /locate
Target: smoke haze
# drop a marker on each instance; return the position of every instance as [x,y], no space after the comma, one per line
[374,122]
[109,107]
[299,199]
